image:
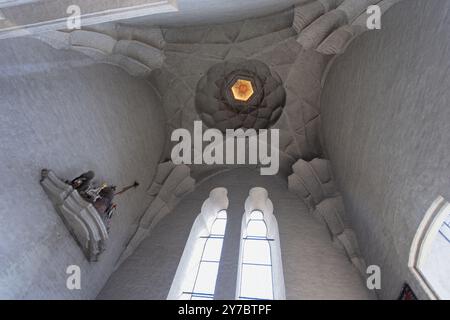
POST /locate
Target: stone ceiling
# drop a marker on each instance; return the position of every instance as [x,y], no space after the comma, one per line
[297,45]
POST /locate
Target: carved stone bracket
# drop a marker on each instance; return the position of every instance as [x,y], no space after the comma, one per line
[170,184]
[79,216]
[329,26]
[313,182]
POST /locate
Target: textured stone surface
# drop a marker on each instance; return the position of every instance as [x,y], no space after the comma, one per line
[320,29]
[62,111]
[337,41]
[54,94]
[313,267]
[313,183]
[329,26]
[189,53]
[92,39]
[200,12]
[79,216]
[218,107]
[331,210]
[170,184]
[305,15]
[387,134]
[132,49]
[21,18]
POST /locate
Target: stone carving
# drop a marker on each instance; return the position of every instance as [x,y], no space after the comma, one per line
[25,17]
[174,60]
[132,49]
[171,183]
[80,217]
[313,182]
[219,106]
[328,26]
[189,54]
[331,211]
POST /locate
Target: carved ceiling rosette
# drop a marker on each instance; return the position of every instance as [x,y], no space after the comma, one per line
[240,93]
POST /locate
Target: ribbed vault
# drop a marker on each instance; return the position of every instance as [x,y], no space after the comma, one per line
[284,56]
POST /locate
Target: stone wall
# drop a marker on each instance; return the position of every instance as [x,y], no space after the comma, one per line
[385,113]
[314,267]
[62,111]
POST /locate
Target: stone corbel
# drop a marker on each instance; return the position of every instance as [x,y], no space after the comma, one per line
[313,182]
[170,184]
[79,216]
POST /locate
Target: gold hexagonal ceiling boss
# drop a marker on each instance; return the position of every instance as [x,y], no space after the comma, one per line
[242,90]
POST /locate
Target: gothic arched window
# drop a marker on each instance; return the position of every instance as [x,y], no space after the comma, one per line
[197,271]
[429,258]
[260,271]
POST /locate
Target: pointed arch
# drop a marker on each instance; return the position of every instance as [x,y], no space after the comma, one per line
[196,275]
[260,270]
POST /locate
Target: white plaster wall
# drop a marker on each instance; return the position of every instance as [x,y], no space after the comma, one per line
[386,127]
[60,110]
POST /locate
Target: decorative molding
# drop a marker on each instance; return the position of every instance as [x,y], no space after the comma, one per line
[79,216]
[136,57]
[56,18]
[313,182]
[215,203]
[421,244]
[329,26]
[171,183]
[258,200]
